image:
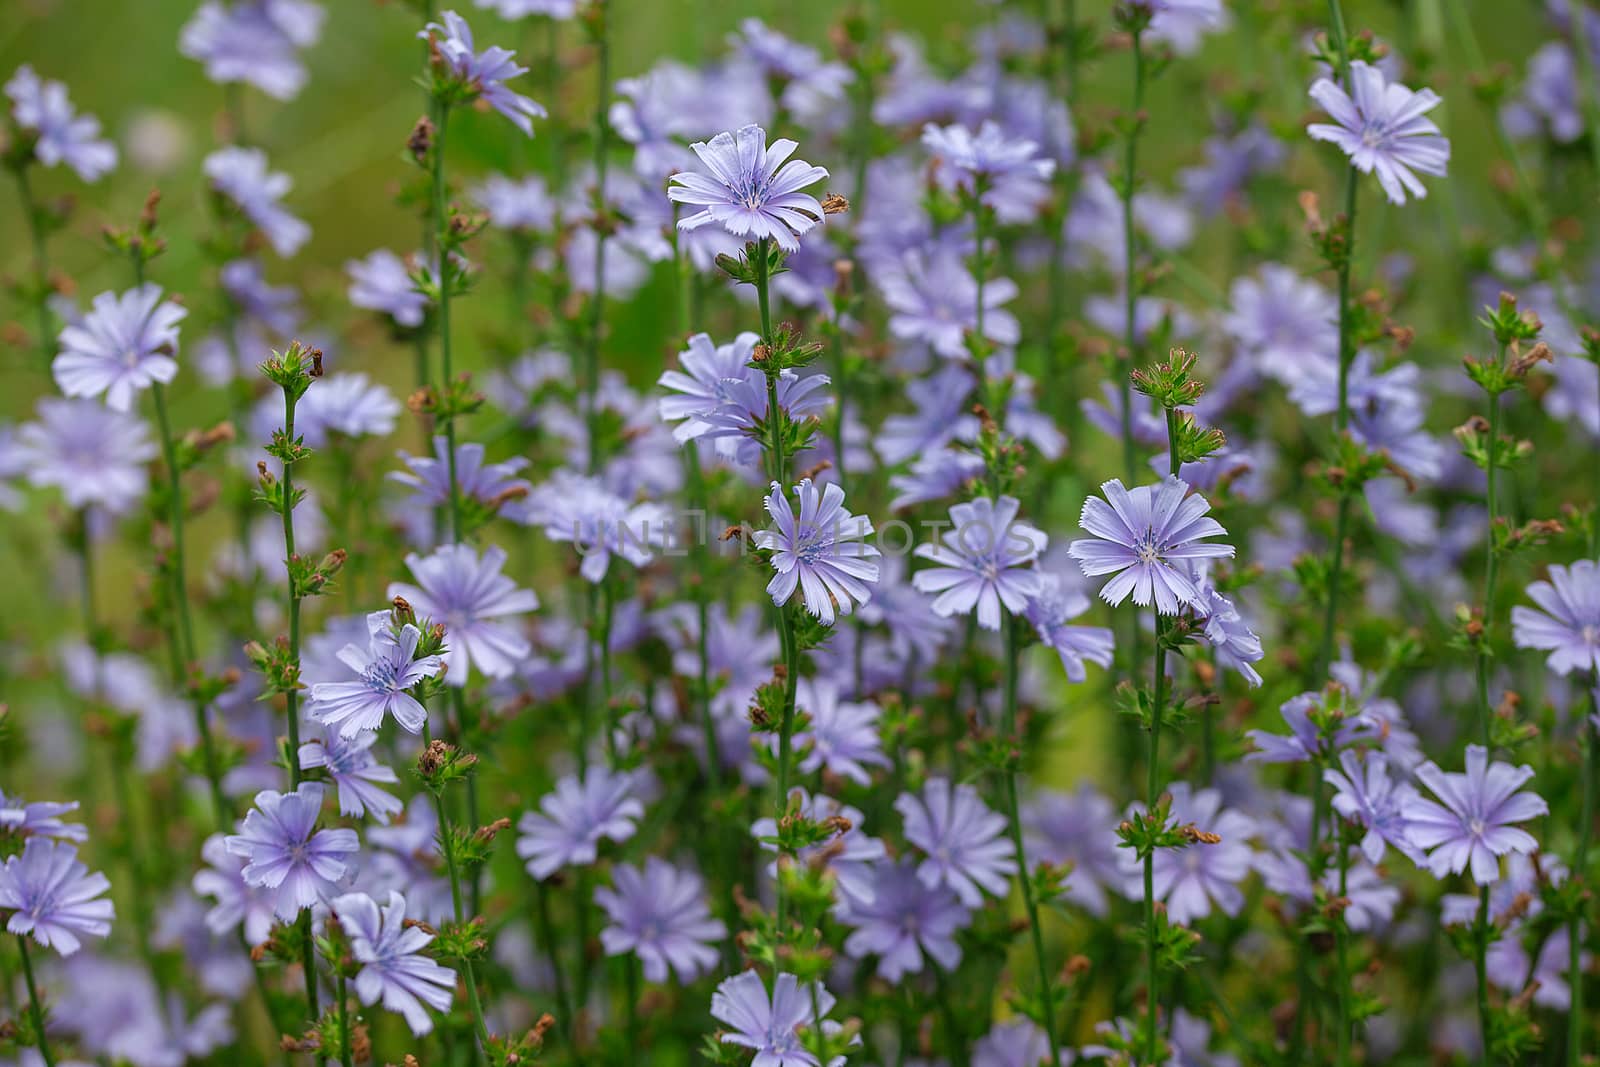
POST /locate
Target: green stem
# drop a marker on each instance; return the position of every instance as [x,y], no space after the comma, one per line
[41,264]
[446,370]
[1008,728]
[1491,569]
[35,1006]
[1342,415]
[1480,962]
[1341,935]
[547,934]
[1130,164]
[791,663]
[607,598]
[1580,870]
[346,1058]
[183,630]
[1152,794]
[602,129]
[447,846]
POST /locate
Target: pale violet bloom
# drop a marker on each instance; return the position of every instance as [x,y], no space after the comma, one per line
[1145,536]
[257,42]
[751,192]
[475,602]
[841,735]
[703,382]
[387,669]
[1203,876]
[964,842]
[382,282]
[241,176]
[1380,125]
[571,822]
[287,854]
[516,9]
[905,920]
[769,1024]
[1473,822]
[984,562]
[1567,622]
[123,346]
[60,134]
[1050,610]
[1014,174]
[393,967]
[356,773]
[660,914]
[52,897]
[521,205]
[821,550]
[599,524]
[1366,794]
[484,73]
[933,298]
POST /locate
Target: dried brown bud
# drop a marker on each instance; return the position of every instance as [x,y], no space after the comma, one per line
[316,363]
[834,204]
[420,143]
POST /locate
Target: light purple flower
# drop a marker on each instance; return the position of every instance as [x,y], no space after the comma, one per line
[354,770]
[963,840]
[1014,174]
[1474,824]
[1568,627]
[1017,1042]
[842,735]
[42,818]
[521,205]
[468,594]
[350,404]
[484,483]
[1181,23]
[702,384]
[257,42]
[985,561]
[1193,880]
[241,175]
[237,904]
[598,523]
[1234,645]
[904,920]
[382,282]
[1050,609]
[741,417]
[485,73]
[660,914]
[1305,742]
[121,348]
[1365,794]
[1282,322]
[52,896]
[1380,126]
[1144,536]
[61,135]
[935,475]
[387,668]
[848,855]
[572,821]
[1076,829]
[751,192]
[821,550]
[940,410]
[933,298]
[393,968]
[288,854]
[770,1024]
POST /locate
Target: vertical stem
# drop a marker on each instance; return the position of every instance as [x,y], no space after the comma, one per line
[345,1057]
[446,370]
[1341,935]
[607,596]
[448,847]
[183,631]
[1480,962]
[1580,870]
[1491,569]
[1008,728]
[35,1006]
[791,664]
[547,934]
[602,128]
[41,263]
[1130,164]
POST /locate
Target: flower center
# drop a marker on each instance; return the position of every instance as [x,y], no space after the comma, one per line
[1148,549]
[1476,826]
[382,676]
